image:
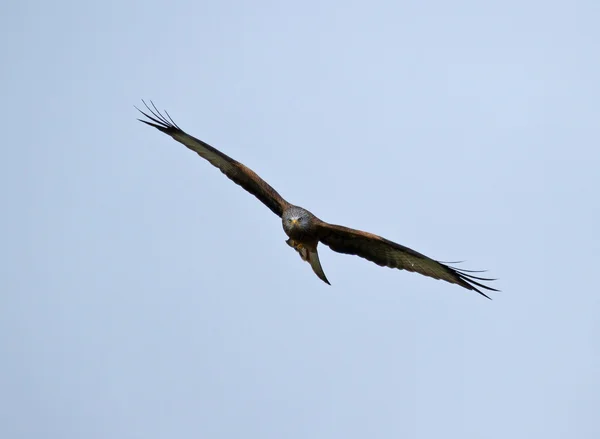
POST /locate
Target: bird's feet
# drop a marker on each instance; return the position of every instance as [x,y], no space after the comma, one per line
[303,251]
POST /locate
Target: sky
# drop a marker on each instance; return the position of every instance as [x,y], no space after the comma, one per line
[143,295]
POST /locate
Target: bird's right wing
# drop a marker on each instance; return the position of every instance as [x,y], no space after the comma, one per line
[236,171]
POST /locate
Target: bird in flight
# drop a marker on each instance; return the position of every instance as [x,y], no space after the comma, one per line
[305,231]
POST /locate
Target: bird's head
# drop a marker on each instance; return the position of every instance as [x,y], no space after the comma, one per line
[296,219]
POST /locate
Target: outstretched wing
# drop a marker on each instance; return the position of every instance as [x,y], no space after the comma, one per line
[236,171]
[389,254]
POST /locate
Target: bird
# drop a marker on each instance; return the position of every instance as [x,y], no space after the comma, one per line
[305,230]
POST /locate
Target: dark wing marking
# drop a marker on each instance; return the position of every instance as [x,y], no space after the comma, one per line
[236,171]
[389,254]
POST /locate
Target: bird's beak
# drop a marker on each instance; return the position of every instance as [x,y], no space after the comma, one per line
[294,221]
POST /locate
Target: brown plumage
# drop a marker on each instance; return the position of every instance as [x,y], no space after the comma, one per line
[305,230]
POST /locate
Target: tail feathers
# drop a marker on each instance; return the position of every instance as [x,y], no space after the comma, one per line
[310,255]
[313,260]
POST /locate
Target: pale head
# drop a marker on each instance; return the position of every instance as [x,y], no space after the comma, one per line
[296,221]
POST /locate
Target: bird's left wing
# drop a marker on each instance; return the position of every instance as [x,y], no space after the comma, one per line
[389,254]
[236,171]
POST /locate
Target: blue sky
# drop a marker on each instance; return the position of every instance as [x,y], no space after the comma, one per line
[144,295]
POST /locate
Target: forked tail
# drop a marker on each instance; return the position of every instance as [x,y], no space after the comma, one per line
[310,255]
[313,260]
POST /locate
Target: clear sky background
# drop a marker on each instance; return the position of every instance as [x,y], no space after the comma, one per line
[143,295]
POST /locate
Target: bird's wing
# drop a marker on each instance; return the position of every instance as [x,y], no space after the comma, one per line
[236,171]
[389,254]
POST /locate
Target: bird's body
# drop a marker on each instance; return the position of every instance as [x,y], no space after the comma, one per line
[305,231]
[302,227]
